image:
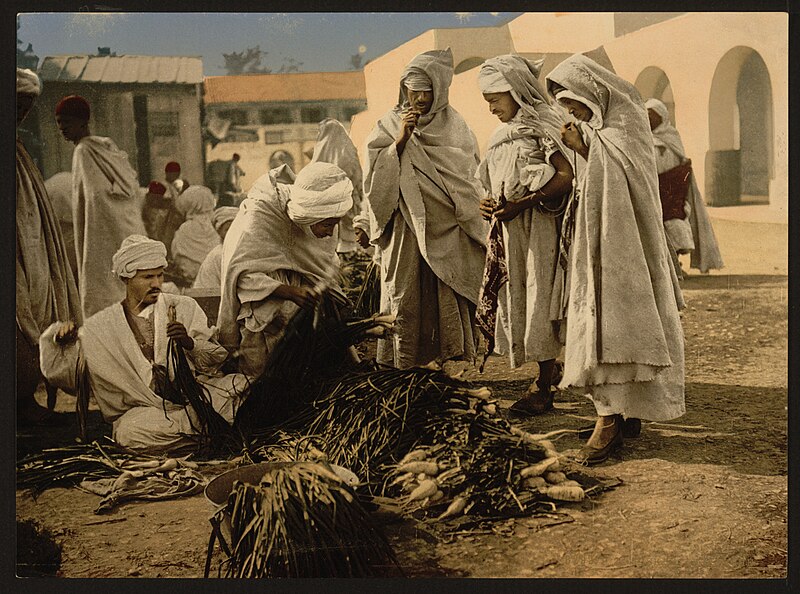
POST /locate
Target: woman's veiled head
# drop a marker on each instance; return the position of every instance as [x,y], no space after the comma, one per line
[657,113]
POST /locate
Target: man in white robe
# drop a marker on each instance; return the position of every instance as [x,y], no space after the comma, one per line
[196,236]
[277,257]
[692,232]
[334,146]
[528,180]
[106,205]
[125,349]
[624,343]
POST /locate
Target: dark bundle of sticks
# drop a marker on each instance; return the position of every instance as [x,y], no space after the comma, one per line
[212,432]
[70,465]
[302,521]
[316,344]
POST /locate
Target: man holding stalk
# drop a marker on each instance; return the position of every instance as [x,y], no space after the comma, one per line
[125,350]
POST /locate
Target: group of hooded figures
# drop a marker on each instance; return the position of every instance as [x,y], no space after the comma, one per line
[554,246]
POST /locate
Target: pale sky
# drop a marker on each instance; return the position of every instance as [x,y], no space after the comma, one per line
[321,41]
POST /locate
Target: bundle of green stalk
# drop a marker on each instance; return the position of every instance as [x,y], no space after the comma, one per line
[368,298]
[452,448]
[281,446]
[70,465]
[473,462]
[302,521]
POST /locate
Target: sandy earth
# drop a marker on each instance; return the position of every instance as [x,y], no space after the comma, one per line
[704,496]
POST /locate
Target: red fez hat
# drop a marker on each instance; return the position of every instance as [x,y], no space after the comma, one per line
[172,167]
[75,106]
[236,156]
[156,188]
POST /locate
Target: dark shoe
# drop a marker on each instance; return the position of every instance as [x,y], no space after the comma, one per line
[631,427]
[535,403]
[591,454]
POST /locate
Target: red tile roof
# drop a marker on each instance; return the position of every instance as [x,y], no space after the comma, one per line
[299,86]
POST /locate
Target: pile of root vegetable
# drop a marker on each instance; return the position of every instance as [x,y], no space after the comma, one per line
[434,444]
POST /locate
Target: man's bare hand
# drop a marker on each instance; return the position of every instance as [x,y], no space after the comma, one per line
[177,332]
[67,333]
[304,297]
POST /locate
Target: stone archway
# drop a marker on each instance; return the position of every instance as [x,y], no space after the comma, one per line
[740,160]
[653,82]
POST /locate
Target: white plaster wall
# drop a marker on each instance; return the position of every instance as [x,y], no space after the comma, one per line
[561,32]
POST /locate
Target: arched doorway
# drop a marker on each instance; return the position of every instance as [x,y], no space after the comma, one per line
[739,163]
[653,83]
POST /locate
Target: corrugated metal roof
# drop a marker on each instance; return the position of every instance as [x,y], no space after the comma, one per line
[300,86]
[122,69]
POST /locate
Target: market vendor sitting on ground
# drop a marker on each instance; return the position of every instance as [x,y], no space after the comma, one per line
[125,349]
[277,254]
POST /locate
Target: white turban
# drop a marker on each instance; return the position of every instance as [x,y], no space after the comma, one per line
[223,215]
[138,252]
[28,83]
[417,81]
[320,191]
[490,80]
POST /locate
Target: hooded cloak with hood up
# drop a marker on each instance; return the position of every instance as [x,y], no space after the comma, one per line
[624,342]
[669,154]
[517,162]
[425,216]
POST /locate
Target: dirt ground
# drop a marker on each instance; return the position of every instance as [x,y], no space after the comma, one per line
[704,496]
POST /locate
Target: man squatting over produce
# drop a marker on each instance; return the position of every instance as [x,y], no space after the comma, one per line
[125,349]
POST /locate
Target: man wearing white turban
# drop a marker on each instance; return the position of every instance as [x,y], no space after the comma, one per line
[45,285]
[424,205]
[277,255]
[125,349]
[686,221]
[335,146]
[210,274]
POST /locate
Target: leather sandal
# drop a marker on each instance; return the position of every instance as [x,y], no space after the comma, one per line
[590,454]
[631,428]
[535,403]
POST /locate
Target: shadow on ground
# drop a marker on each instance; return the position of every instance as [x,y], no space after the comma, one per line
[63,432]
[742,427]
